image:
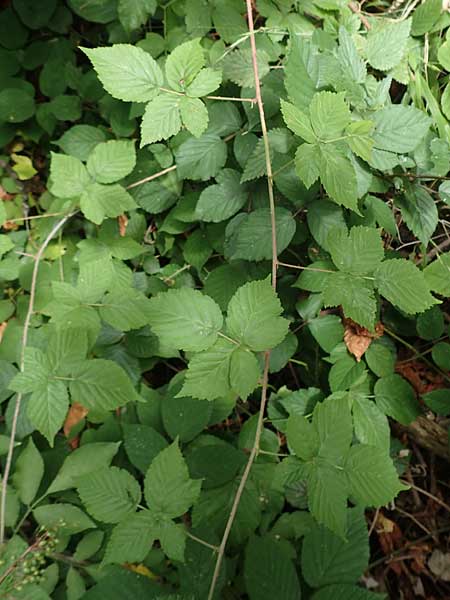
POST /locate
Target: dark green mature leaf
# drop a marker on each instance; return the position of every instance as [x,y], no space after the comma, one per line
[28,473]
[359,252]
[354,294]
[419,213]
[396,398]
[224,199]
[269,571]
[201,158]
[437,274]
[161,119]
[399,128]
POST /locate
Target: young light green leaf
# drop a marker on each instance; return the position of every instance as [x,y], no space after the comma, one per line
[244,372]
[69,176]
[194,115]
[109,494]
[399,128]
[359,252]
[329,115]
[238,66]
[80,140]
[126,72]
[254,316]
[386,43]
[168,488]
[111,161]
[125,310]
[100,201]
[161,119]
[183,64]
[28,473]
[298,122]
[206,82]
[185,318]
[395,278]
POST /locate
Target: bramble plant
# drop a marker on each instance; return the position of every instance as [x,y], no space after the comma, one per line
[244,215]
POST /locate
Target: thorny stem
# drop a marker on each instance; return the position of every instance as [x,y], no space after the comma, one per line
[26,328]
[259,427]
[151,177]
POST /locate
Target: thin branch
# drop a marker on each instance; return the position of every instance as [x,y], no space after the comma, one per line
[300,268]
[428,495]
[259,427]
[231,98]
[151,177]
[438,248]
[26,328]
[202,542]
[355,7]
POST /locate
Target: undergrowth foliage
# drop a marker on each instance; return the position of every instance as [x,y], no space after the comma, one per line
[182,417]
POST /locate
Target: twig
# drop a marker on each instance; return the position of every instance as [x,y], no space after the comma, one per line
[151,177]
[289,266]
[354,7]
[442,246]
[26,327]
[428,495]
[374,522]
[259,427]
[202,542]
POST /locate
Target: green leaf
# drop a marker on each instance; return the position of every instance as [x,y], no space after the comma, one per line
[441,355]
[338,176]
[395,278]
[327,497]
[15,106]
[301,72]
[69,176]
[89,545]
[168,488]
[372,477]
[298,122]
[206,82]
[371,425]
[244,372]
[430,324]
[222,200]
[184,418]
[100,384]
[111,161]
[249,235]
[387,43]
[399,128]
[142,445]
[438,401]
[269,571]
[208,373]
[185,318]
[328,559]
[327,330]
[437,274]
[125,310]
[426,16]
[132,539]
[80,140]
[100,201]
[238,66]
[109,494]
[254,316]
[201,158]
[194,115]
[126,72]
[329,115]
[359,252]
[396,398]
[345,591]
[63,517]
[161,119]
[359,140]
[47,408]
[83,460]
[354,294]
[134,13]
[183,64]
[28,473]
[302,437]
[419,213]
[381,357]
[444,55]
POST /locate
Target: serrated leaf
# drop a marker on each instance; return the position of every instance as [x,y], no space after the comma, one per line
[307,163]
[249,236]
[395,278]
[419,213]
[185,318]
[109,494]
[206,82]
[328,559]
[184,418]
[302,437]
[338,176]
[396,398]
[161,119]
[238,67]
[269,571]
[208,373]
[354,294]
[359,252]
[126,72]
[69,176]
[387,42]
[134,13]
[125,310]
[201,158]
[65,518]
[399,128]
[437,274]
[244,372]
[327,497]
[80,140]
[47,408]
[194,115]
[183,64]
[100,384]
[100,201]
[298,122]
[132,539]
[371,425]
[222,200]
[254,316]
[111,161]
[28,473]
[329,115]
[168,488]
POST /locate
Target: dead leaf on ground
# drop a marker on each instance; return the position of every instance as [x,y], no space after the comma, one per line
[76,413]
[3,326]
[439,564]
[123,222]
[358,338]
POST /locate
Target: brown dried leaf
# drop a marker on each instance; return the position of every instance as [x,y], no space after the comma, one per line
[358,339]
[4,194]
[123,222]
[10,226]
[3,326]
[76,413]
